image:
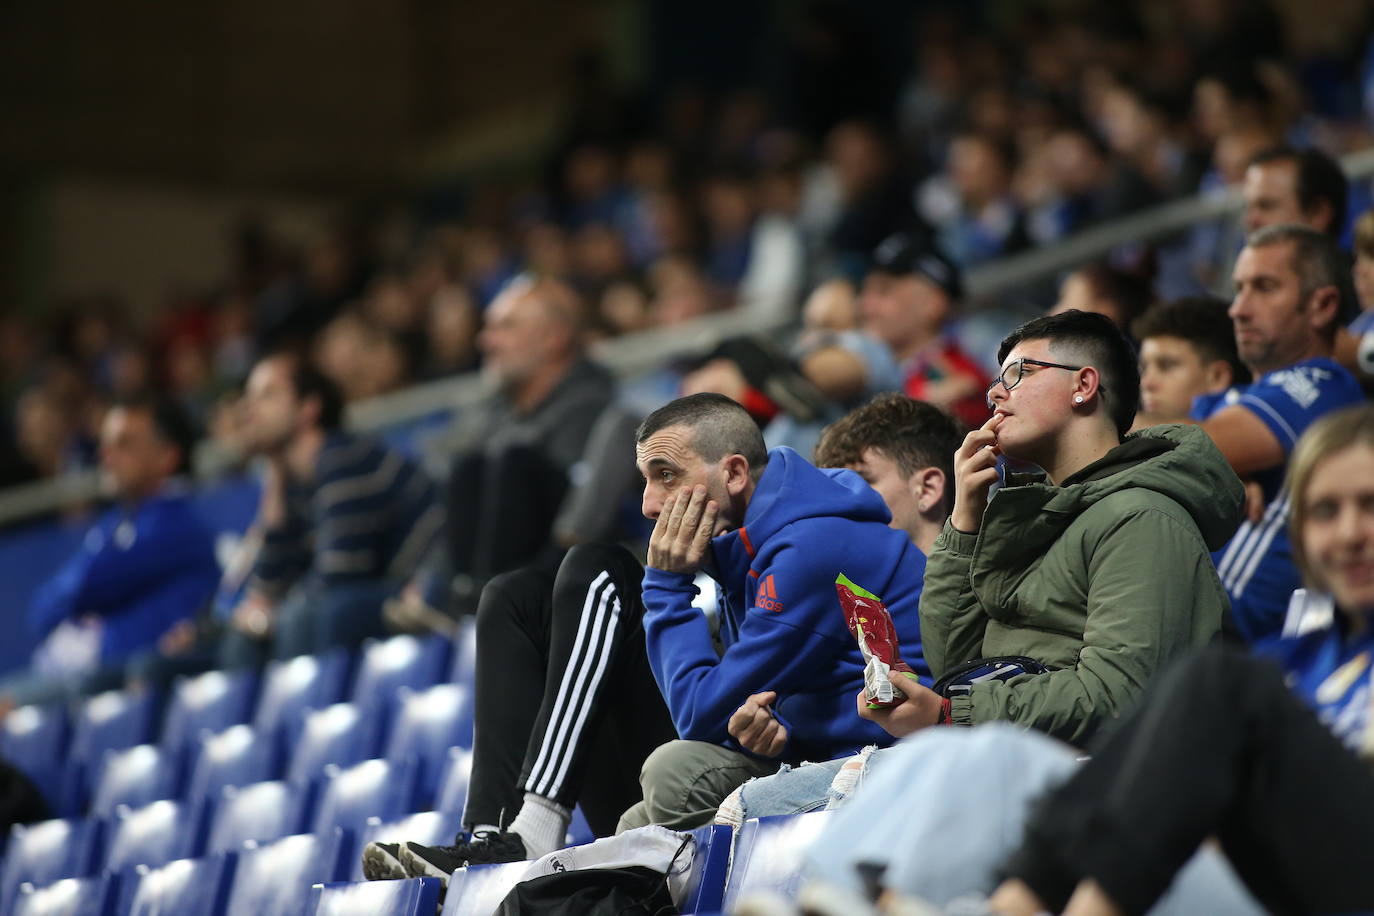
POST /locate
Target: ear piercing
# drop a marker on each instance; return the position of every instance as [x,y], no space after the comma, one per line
[1078,399]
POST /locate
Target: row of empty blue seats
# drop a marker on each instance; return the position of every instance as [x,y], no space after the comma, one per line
[354,800]
[324,796]
[421,726]
[310,874]
[65,753]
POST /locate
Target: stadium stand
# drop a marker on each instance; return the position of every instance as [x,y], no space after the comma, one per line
[337,734]
[152,835]
[194,887]
[68,897]
[133,778]
[34,739]
[415,897]
[275,879]
[212,701]
[40,854]
[234,757]
[261,812]
[1029,147]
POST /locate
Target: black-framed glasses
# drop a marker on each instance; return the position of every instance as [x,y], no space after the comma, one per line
[1015,370]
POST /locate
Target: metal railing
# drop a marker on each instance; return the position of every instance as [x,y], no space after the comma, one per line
[641,352]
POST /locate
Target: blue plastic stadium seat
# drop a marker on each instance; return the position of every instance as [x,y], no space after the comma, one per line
[464,667]
[211,702]
[237,756]
[152,835]
[373,788]
[336,734]
[768,852]
[432,828]
[186,887]
[274,879]
[46,852]
[579,832]
[478,889]
[68,897]
[426,725]
[294,685]
[34,739]
[384,665]
[261,812]
[705,888]
[452,793]
[133,777]
[415,897]
[109,721]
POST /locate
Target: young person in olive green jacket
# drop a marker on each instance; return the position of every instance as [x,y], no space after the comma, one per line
[1099,568]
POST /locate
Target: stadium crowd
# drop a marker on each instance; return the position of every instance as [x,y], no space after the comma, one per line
[1103,515]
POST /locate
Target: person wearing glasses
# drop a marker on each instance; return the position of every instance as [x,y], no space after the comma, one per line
[1098,567]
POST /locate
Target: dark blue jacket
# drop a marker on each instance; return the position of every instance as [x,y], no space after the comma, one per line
[780,619]
[139,571]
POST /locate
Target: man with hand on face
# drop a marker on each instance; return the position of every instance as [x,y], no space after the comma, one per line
[1099,569]
[904,449]
[605,642]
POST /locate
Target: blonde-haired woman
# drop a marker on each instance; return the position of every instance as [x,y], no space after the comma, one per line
[1228,745]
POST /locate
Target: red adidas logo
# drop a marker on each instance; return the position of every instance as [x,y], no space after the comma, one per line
[767,596]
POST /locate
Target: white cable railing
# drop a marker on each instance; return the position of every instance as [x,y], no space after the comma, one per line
[637,353]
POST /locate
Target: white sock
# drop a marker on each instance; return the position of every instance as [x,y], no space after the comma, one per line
[484,828]
[542,824]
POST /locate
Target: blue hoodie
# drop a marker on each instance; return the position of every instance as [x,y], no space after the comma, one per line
[781,622]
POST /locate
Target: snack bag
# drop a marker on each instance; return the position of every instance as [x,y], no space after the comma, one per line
[871,624]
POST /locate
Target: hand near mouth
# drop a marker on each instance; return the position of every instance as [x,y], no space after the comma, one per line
[975,471]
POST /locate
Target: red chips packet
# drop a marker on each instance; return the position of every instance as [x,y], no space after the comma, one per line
[871,624]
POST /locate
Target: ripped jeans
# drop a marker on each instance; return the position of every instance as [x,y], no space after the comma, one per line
[805,787]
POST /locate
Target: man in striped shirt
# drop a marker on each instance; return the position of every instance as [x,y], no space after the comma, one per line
[1292,293]
[345,520]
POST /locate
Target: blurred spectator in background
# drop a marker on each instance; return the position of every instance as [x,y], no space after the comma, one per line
[775,273]
[1364,273]
[832,306]
[1083,185]
[451,325]
[1287,185]
[1187,349]
[511,456]
[146,564]
[680,291]
[909,295]
[855,198]
[970,204]
[729,207]
[297,305]
[1139,131]
[1121,295]
[344,520]
[44,432]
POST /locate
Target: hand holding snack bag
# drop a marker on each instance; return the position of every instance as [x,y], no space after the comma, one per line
[871,624]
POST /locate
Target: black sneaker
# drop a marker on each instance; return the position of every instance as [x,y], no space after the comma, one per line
[489,847]
[382,861]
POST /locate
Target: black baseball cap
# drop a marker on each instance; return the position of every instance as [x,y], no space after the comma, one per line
[908,253]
